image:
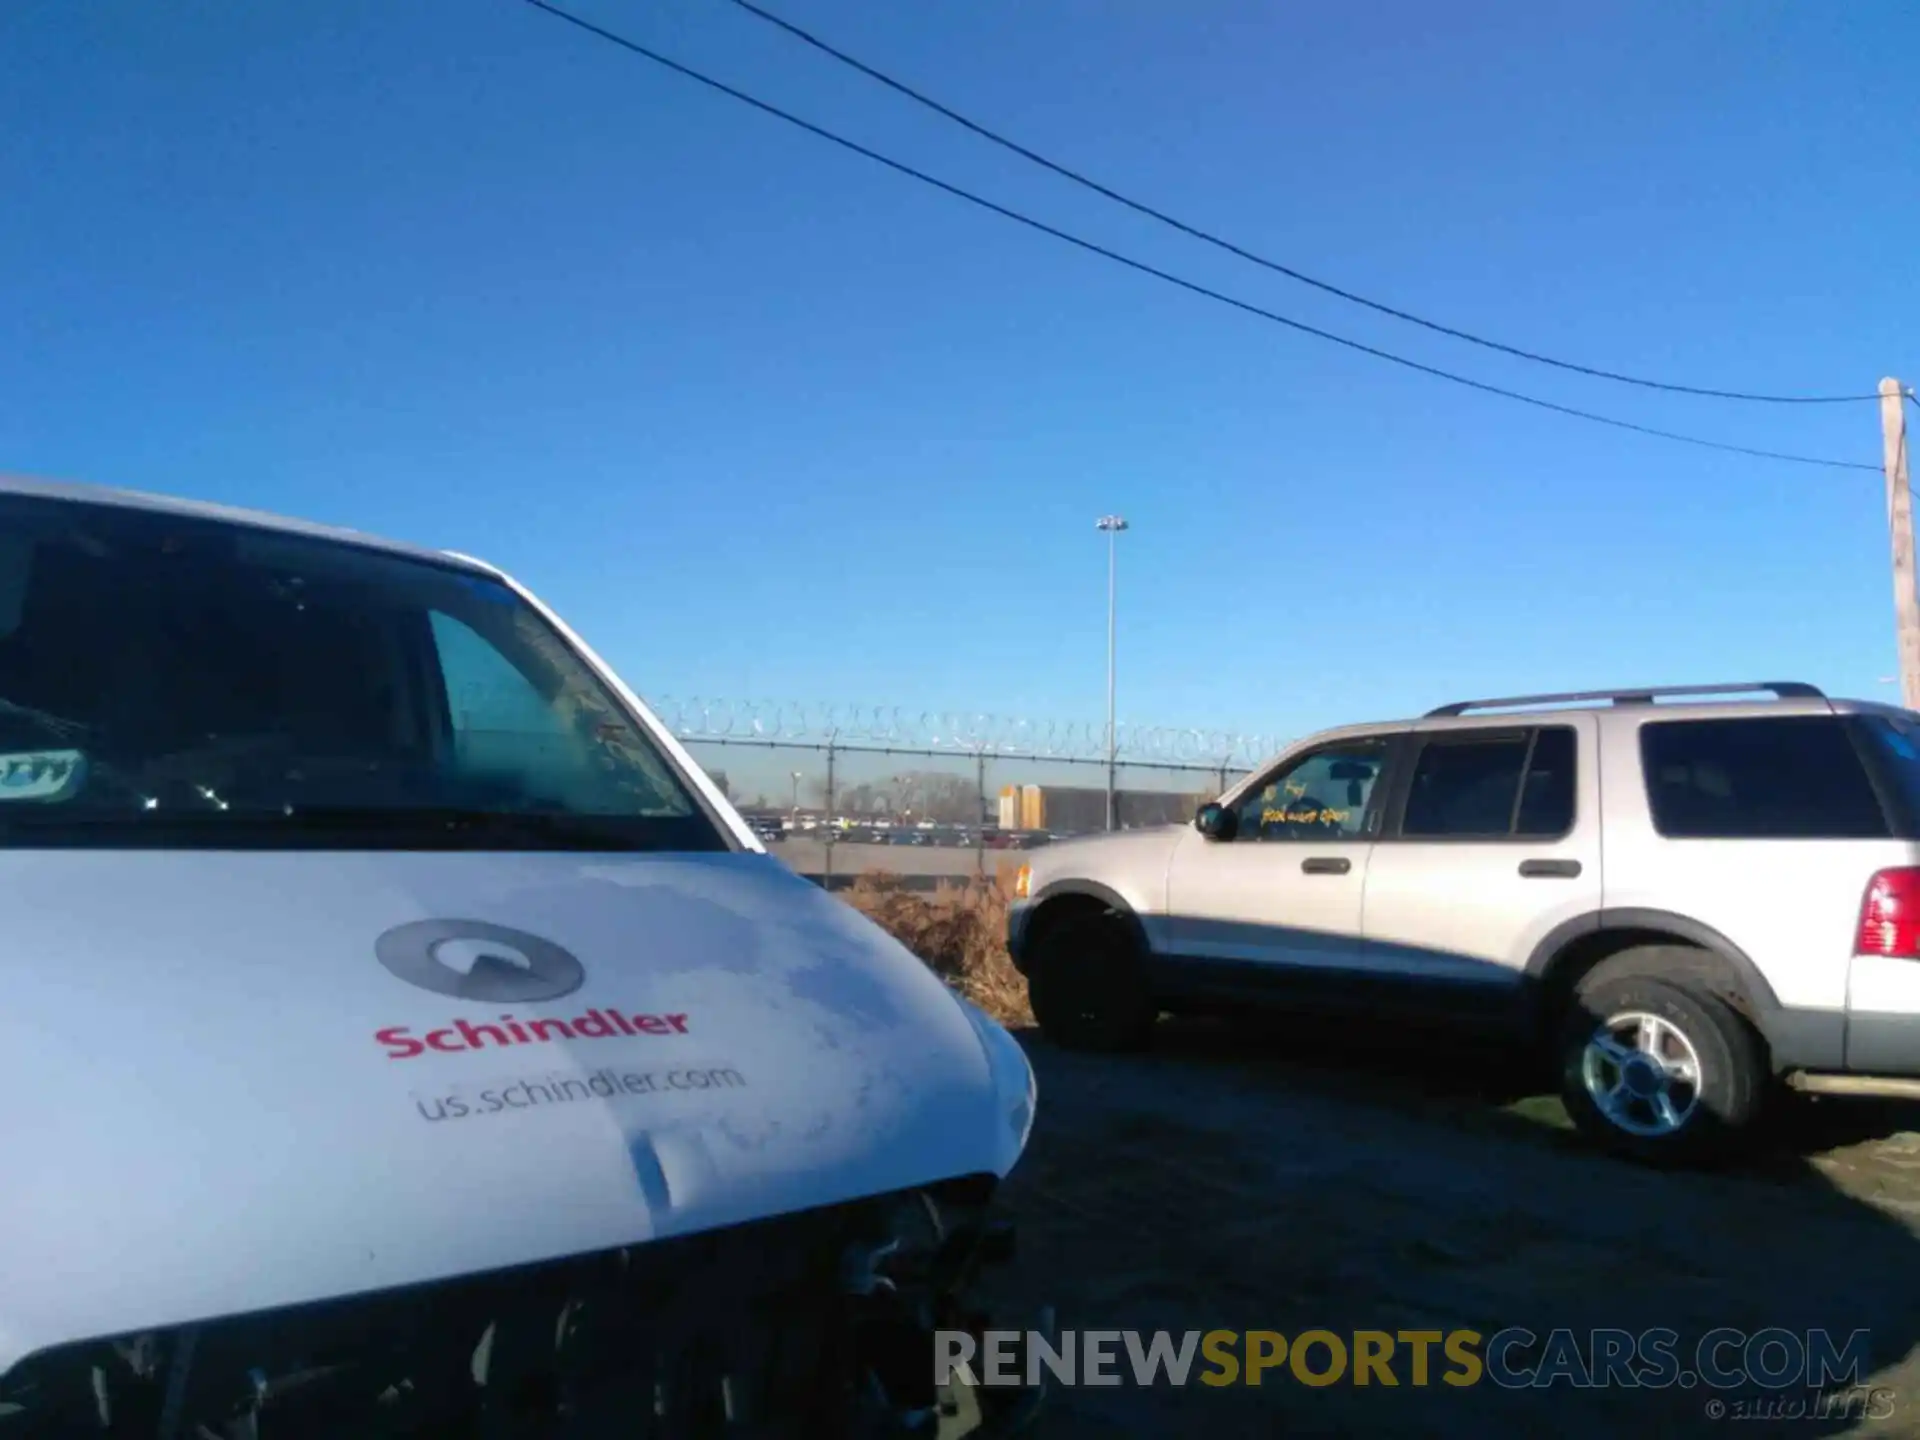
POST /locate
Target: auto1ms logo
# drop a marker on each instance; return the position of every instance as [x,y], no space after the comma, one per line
[488,964]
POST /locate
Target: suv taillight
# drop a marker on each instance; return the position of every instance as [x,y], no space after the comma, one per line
[1890,915]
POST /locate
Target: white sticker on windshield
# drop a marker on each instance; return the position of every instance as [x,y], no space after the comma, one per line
[41,775]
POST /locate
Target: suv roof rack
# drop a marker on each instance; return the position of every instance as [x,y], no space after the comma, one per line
[1780,689]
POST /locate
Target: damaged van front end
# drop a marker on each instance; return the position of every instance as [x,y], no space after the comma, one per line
[817,1324]
[403,1037]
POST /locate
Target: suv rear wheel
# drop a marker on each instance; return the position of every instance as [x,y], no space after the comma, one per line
[1658,1070]
[1087,986]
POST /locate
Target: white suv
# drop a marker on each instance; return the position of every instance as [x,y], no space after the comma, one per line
[1682,902]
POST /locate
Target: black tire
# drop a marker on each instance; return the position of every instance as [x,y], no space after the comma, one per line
[1717,1115]
[1087,986]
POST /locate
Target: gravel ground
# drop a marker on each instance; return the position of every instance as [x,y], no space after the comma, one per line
[1242,1179]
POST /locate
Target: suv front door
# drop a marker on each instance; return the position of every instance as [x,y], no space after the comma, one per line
[1286,888]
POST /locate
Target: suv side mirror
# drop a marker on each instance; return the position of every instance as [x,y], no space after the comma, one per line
[1215,821]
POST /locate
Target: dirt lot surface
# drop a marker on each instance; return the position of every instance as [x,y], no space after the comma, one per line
[1243,1179]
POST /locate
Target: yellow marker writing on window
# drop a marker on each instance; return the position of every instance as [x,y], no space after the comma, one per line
[1304,817]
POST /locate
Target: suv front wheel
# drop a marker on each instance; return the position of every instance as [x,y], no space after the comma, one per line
[1087,986]
[1657,1070]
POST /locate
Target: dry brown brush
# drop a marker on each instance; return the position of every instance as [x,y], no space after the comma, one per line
[959,930]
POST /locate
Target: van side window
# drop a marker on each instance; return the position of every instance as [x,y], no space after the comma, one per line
[566,748]
[503,727]
[488,698]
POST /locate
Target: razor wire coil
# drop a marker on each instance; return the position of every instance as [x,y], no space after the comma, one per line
[893,727]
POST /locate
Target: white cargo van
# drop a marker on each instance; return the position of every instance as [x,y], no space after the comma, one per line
[401,1036]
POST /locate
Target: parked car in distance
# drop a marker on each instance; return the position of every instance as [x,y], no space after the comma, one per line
[418,1042]
[1677,896]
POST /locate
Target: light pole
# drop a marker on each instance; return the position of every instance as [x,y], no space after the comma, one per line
[1112,525]
[796,792]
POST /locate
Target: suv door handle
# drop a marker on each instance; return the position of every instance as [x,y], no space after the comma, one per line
[1540,869]
[1326,865]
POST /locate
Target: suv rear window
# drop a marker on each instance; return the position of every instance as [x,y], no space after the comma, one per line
[1791,777]
[1893,752]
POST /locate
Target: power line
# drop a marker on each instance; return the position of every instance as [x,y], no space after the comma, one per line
[1145,269]
[1066,172]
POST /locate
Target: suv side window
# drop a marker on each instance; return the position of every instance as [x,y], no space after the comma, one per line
[1322,795]
[1795,777]
[1490,784]
[1547,801]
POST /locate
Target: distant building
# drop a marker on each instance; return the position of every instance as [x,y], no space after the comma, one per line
[1080,809]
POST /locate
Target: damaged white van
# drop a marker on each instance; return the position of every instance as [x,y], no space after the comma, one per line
[402,1037]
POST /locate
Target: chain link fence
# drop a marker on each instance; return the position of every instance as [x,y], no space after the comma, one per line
[892,727]
[932,795]
[833,810]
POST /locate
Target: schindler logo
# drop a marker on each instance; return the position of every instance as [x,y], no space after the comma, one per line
[473,960]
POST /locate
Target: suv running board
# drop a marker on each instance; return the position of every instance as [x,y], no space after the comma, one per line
[1885,1087]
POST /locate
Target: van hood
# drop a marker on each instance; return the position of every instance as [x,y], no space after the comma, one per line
[238,1081]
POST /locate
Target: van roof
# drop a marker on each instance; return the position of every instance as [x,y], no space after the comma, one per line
[84,494]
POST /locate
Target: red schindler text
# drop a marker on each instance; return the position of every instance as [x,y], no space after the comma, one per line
[461,1035]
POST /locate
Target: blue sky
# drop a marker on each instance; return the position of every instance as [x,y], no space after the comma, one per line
[763,419]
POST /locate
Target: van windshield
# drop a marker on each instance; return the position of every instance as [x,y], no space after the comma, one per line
[169,681]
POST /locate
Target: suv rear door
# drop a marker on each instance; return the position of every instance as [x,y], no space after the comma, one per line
[1491,839]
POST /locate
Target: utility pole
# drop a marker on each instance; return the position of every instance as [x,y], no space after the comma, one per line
[1906,602]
